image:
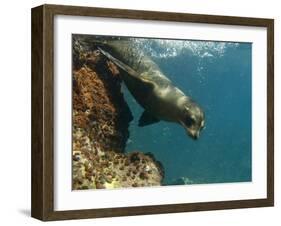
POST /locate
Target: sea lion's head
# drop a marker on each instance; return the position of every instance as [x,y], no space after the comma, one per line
[192,119]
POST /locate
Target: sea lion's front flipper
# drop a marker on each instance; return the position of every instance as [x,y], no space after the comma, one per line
[119,63]
[147,119]
[125,67]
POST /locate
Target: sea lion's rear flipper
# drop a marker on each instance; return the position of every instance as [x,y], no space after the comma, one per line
[127,68]
[147,119]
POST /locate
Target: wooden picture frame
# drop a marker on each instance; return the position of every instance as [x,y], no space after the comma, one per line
[43,112]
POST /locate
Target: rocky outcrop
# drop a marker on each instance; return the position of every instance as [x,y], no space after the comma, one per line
[101,119]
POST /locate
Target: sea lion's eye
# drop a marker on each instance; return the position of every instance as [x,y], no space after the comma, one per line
[189,121]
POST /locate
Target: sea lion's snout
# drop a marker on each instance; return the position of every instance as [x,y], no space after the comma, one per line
[194,134]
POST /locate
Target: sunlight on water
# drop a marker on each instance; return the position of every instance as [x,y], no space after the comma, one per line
[172,48]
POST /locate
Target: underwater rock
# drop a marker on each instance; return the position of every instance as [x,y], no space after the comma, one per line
[101,119]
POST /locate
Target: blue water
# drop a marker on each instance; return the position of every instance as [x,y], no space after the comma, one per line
[217,75]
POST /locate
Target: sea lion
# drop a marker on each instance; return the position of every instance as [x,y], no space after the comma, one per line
[160,99]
